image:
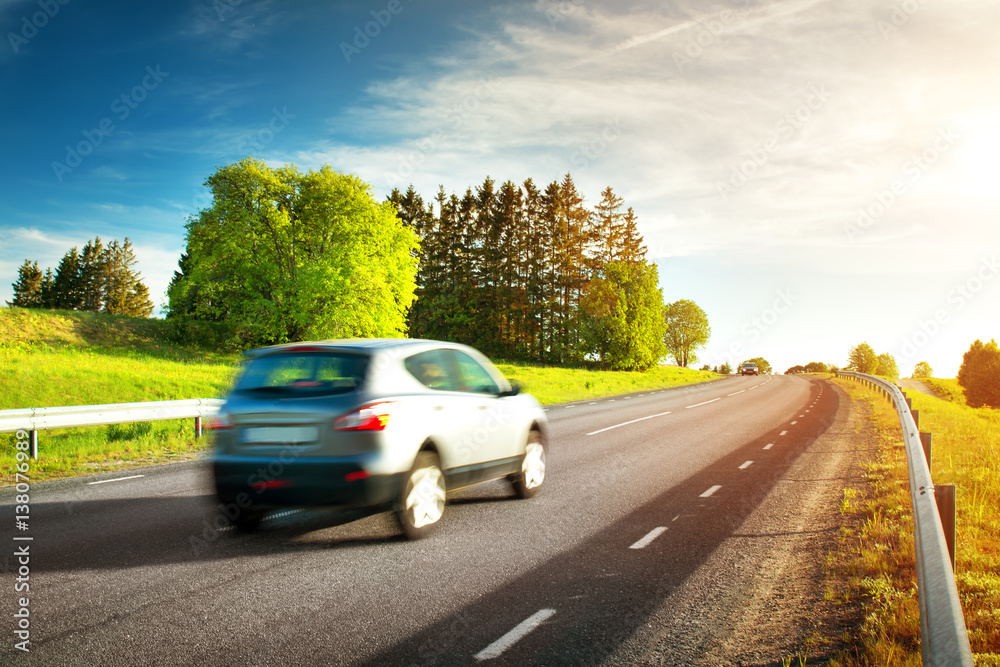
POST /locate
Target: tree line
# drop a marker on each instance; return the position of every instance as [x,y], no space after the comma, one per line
[530,273]
[978,374]
[100,279]
[521,272]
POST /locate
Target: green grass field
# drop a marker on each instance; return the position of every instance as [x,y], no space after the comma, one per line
[55,358]
[946,389]
[876,562]
[552,385]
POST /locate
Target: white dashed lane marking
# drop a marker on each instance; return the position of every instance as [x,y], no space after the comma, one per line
[117,479]
[711,491]
[627,423]
[523,628]
[650,536]
[746,465]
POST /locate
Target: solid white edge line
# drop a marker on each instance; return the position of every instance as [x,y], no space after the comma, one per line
[746,465]
[512,637]
[711,491]
[753,387]
[117,479]
[738,392]
[627,423]
[704,403]
[650,536]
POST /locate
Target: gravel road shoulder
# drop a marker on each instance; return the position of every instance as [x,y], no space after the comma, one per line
[777,609]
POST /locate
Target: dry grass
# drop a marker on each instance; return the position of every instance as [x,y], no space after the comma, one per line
[875,564]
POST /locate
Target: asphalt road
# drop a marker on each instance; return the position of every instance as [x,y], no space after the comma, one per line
[642,489]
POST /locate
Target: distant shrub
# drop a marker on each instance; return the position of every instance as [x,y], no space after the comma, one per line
[979,375]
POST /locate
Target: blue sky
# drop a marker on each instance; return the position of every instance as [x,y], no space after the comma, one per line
[812,173]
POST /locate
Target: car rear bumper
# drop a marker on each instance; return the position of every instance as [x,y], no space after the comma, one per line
[315,482]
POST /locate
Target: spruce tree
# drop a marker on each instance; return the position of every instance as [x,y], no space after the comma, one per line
[66,287]
[28,287]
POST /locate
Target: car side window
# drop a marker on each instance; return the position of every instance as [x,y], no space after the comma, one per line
[472,377]
[431,368]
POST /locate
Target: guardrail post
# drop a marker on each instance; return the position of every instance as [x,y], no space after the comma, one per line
[197,427]
[33,444]
[916,417]
[925,441]
[944,496]
[909,404]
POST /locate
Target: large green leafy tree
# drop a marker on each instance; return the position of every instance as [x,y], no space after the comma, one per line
[622,316]
[687,330]
[863,359]
[887,366]
[282,255]
[979,375]
[923,370]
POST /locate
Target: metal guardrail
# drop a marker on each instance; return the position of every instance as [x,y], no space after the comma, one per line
[33,420]
[943,636]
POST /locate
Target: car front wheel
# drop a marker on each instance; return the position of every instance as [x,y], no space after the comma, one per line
[421,505]
[529,480]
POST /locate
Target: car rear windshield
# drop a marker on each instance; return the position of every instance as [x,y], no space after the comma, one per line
[303,373]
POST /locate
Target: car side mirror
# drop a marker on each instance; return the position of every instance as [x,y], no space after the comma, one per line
[515,389]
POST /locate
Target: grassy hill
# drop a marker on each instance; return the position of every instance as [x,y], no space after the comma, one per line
[53,358]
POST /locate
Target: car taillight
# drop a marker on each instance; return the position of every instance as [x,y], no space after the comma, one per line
[220,422]
[372,417]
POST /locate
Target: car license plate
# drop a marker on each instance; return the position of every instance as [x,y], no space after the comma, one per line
[281,435]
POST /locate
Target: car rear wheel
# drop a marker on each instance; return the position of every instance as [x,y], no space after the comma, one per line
[529,480]
[421,505]
[247,521]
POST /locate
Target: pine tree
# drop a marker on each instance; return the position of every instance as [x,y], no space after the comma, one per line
[537,248]
[124,293]
[66,287]
[606,239]
[632,248]
[28,287]
[92,274]
[48,291]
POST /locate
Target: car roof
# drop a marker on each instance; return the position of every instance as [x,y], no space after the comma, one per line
[355,344]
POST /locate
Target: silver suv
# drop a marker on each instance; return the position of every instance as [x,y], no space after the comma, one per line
[377,423]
